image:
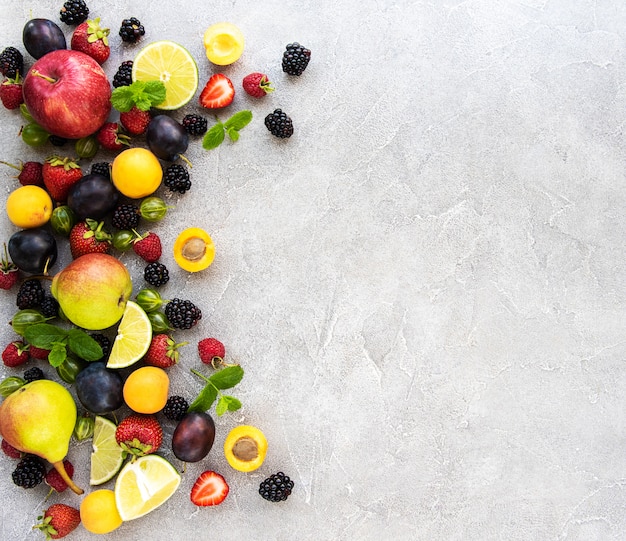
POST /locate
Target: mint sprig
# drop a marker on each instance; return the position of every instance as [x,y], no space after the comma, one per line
[142,94]
[215,136]
[58,341]
[226,378]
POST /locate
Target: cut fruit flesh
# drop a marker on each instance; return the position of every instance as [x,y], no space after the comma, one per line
[134,335]
[107,456]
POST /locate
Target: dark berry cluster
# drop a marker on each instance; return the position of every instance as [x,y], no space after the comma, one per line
[156,274]
[125,216]
[105,343]
[279,124]
[131,30]
[195,124]
[57,141]
[49,306]
[11,62]
[175,408]
[33,374]
[29,472]
[276,487]
[182,314]
[295,59]
[74,12]
[176,178]
[30,294]
[101,168]
[124,74]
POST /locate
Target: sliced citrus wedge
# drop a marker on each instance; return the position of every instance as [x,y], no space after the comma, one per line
[107,456]
[144,485]
[173,65]
[133,338]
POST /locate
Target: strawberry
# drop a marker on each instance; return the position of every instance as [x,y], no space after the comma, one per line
[59,175]
[15,354]
[257,85]
[211,351]
[54,480]
[218,92]
[9,272]
[58,521]
[163,351]
[90,38]
[148,247]
[209,489]
[139,435]
[30,173]
[135,121]
[10,451]
[88,237]
[11,92]
[111,138]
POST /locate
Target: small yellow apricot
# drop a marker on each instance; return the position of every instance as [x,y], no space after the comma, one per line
[194,249]
[224,43]
[245,448]
[29,206]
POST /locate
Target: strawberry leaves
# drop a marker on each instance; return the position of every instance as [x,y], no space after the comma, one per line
[142,94]
[216,135]
[226,378]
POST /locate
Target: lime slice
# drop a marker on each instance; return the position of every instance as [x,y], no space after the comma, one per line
[107,456]
[173,65]
[144,485]
[134,335]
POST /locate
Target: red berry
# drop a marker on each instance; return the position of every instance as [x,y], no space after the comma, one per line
[111,138]
[148,247]
[89,237]
[59,175]
[58,521]
[163,351]
[135,121]
[55,481]
[10,451]
[209,489]
[211,351]
[15,354]
[11,92]
[8,271]
[257,85]
[139,434]
[218,92]
[91,39]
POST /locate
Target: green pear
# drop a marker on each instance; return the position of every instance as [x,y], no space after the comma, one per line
[39,418]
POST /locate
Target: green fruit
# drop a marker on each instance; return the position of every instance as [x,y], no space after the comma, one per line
[123,240]
[153,209]
[87,147]
[25,318]
[62,220]
[10,385]
[34,135]
[69,368]
[159,322]
[149,299]
[84,427]
[26,113]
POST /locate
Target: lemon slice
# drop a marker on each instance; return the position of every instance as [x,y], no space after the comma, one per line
[144,485]
[173,65]
[107,456]
[134,335]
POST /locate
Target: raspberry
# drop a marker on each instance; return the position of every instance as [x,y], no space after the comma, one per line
[148,247]
[257,85]
[55,481]
[10,451]
[211,351]
[15,354]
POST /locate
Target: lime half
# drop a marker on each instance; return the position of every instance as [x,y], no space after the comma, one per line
[133,338]
[173,65]
[107,456]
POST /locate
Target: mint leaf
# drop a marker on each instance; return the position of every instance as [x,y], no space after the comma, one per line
[155,91]
[44,335]
[57,355]
[214,137]
[227,377]
[83,345]
[205,399]
[233,403]
[142,94]
[222,406]
[233,134]
[122,99]
[239,120]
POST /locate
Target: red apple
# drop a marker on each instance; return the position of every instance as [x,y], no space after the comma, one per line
[68,94]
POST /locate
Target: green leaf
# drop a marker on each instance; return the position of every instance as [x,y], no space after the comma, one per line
[233,134]
[122,98]
[227,377]
[205,399]
[83,345]
[142,94]
[214,137]
[239,120]
[57,355]
[233,403]
[222,406]
[44,335]
[156,91]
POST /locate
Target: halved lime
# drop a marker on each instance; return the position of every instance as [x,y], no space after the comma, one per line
[107,456]
[173,65]
[133,338]
[144,485]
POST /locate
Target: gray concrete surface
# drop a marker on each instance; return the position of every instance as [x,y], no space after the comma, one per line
[425,284]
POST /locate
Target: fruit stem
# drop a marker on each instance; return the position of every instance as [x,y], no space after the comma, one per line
[58,466]
[185,159]
[12,165]
[194,371]
[39,74]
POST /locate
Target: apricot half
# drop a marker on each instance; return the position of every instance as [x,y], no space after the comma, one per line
[194,249]
[245,448]
[224,43]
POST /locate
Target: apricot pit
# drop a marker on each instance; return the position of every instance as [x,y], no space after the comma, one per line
[245,448]
[194,249]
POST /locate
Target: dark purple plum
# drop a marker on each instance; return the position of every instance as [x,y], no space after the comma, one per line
[166,138]
[93,196]
[193,437]
[99,389]
[33,250]
[41,36]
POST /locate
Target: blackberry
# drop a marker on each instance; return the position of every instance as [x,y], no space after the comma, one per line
[175,408]
[125,216]
[279,124]
[131,30]
[295,59]
[156,274]
[57,141]
[101,168]
[182,314]
[276,487]
[123,75]
[33,374]
[105,343]
[74,12]
[49,306]
[176,178]
[195,124]
[29,472]
[30,294]
[11,62]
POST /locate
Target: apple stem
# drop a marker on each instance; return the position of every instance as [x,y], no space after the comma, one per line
[39,74]
[58,466]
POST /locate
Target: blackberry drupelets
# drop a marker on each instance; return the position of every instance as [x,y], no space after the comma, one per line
[29,472]
[124,74]
[101,168]
[125,216]
[195,124]
[11,62]
[156,274]
[131,30]
[295,59]
[175,408]
[279,124]
[74,12]
[182,314]
[176,178]
[34,373]
[276,487]
[30,294]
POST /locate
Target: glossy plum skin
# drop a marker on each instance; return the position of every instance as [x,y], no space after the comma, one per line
[33,250]
[193,437]
[93,196]
[99,389]
[41,36]
[166,138]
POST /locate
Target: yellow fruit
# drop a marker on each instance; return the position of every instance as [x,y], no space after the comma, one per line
[143,485]
[29,206]
[171,64]
[194,249]
[145,389]
[224,43]
[98,512]
[136,172]
[133,338]
[245,448]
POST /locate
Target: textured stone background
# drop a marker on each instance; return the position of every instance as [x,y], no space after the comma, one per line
[425,284]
